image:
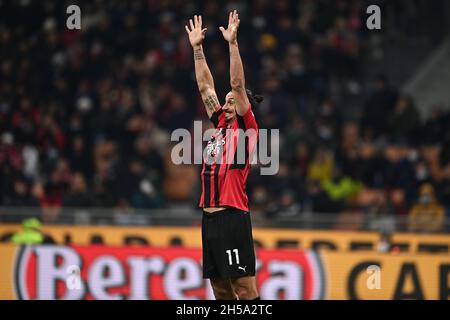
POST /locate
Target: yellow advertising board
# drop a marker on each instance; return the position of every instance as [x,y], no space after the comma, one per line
[7,268]
[191,237]
[264,238]
[369,276]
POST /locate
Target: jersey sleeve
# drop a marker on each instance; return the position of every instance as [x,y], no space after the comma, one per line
[248,120]
[248,123]
[218,116]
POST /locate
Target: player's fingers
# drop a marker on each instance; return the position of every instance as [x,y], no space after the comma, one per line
[196,21]
[191,24]
[222,29]
[187,29]
[200,22]
[204,31]
[230,18]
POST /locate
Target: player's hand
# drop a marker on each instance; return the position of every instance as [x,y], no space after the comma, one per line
[195,32]
[230,34]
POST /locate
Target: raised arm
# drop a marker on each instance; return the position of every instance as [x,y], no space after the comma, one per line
[237,78]
[203,75]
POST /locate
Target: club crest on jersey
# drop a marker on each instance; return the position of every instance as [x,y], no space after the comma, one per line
[214,147]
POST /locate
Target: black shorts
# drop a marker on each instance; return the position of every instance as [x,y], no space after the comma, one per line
[227,243]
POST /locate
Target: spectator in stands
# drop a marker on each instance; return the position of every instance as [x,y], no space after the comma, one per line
[260,198]
[379,106]
[320,168]
[288,205]
[372,166]
[386,245]
[403,120]
[31,233]
[147,197]
[78,195]
[427,215]
[341,188]
[20,195]
[334,194]
[179,180]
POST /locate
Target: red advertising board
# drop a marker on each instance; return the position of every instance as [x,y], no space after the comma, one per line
[51,272]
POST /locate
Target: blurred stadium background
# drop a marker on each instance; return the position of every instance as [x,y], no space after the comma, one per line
[364,118]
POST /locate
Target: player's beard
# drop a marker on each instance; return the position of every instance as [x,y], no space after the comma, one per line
[229,117]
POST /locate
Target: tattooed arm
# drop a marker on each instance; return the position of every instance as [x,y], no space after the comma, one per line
[205,81]
[237,78]
[203,75]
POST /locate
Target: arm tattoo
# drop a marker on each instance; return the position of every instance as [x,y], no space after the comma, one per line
[211,103]
[198,55]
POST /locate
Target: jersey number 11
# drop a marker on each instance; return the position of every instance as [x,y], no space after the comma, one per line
[230,257]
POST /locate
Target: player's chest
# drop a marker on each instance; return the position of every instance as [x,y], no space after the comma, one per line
[217,142]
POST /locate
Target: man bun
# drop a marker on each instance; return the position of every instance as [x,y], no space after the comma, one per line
[254,99]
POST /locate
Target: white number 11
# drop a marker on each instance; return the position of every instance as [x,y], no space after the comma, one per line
[236,253]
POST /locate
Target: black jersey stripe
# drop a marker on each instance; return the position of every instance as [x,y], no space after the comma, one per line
[217,170]
[207,186]
[215,117]
[240,120]
[216,184]
[241,125]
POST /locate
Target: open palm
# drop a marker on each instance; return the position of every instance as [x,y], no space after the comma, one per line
[195,32]
[230,33]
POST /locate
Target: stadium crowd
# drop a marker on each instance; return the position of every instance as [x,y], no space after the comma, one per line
[86,116]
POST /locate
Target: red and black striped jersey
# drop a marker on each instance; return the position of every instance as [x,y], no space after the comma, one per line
[226,162]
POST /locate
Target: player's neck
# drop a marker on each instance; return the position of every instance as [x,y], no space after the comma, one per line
[229,122]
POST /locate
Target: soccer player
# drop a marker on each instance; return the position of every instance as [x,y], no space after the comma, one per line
[227,241]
